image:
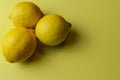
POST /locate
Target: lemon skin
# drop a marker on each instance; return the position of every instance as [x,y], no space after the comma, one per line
[25,14]
[52,29]
[18,44]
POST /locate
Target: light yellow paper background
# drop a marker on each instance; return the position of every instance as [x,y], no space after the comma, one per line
[92,52]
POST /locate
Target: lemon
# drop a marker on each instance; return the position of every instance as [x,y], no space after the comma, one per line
[18,44]
[25,14]
[52,29]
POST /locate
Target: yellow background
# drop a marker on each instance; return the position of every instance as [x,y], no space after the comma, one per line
[91,52]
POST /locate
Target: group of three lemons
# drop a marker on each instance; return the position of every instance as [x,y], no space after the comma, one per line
[30,23]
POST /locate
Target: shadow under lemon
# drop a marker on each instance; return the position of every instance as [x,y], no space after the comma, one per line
[43,50]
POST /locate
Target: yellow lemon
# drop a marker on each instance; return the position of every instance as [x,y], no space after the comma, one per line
[52,29]
[19,44]
[25,14]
